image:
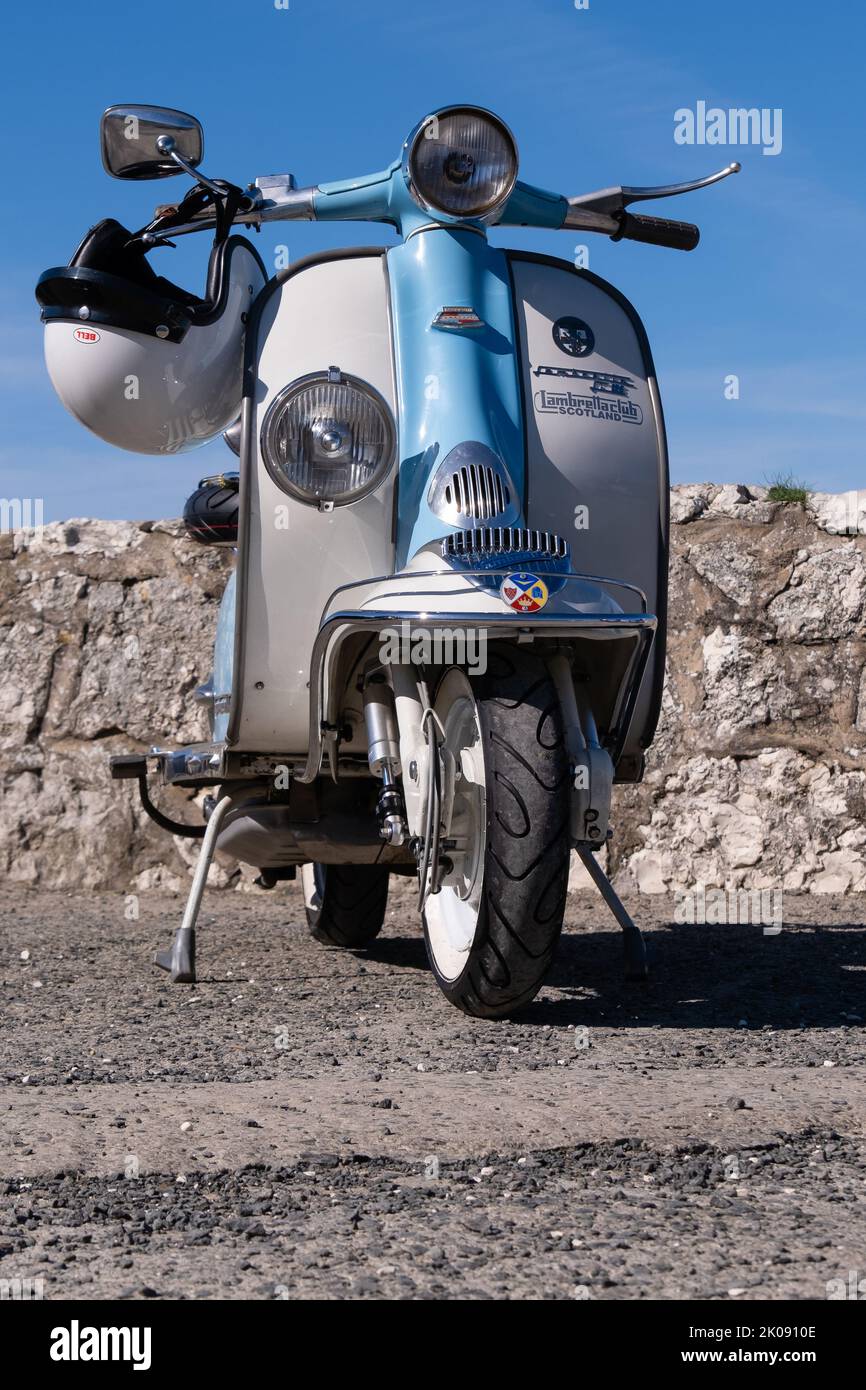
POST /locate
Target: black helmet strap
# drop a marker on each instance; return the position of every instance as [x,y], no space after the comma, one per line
[226,204]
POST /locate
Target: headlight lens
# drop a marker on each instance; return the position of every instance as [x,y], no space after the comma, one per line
[462,162]
[328,438]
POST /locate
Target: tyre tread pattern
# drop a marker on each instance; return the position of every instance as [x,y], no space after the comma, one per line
[528,841]
[354,899]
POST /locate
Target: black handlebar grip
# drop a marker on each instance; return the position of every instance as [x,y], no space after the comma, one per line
[658,231]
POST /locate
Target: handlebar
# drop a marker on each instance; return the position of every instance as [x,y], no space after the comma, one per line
[383,198]
[658,231]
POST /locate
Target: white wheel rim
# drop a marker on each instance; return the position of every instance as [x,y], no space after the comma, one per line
[451,915]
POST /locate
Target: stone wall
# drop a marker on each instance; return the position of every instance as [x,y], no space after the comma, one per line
[758,775]
[757,778]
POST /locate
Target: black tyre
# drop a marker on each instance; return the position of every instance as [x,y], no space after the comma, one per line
[345,903]
[508,902]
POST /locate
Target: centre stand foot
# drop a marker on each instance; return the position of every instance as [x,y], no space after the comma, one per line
[635,947]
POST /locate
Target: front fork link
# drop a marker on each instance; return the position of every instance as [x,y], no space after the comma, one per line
[412,813]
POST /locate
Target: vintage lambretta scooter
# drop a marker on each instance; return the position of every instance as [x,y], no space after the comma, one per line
[444,638]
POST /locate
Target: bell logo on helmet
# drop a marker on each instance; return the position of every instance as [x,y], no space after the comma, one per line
[86,335]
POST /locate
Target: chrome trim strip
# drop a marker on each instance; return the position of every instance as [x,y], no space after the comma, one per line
[450,227]
[409,576]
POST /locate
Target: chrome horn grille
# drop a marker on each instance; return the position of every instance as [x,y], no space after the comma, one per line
[477,491]
[472,485]
[486,545]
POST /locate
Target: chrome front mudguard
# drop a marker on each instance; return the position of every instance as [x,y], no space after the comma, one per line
[437,600]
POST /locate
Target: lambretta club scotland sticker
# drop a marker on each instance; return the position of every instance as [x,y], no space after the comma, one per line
[609,399]
[612,408]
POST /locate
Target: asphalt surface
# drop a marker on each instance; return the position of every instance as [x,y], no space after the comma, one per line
[310,1123]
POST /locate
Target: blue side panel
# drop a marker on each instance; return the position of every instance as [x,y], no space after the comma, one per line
[223,659]
[453,385]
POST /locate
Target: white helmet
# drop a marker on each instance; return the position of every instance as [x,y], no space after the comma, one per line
[142,363]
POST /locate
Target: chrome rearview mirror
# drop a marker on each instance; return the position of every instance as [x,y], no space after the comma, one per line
[149,142]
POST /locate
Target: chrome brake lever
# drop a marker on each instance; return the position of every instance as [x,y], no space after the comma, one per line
[611,201]
[670,190]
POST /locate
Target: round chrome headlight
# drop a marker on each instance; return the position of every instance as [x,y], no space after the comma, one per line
[328,438]
[462,163]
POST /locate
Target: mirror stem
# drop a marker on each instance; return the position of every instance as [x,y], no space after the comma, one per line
[193,173]
[166,145]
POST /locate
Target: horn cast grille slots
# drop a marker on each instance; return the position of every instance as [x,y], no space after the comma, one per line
[472,485]
[477,492]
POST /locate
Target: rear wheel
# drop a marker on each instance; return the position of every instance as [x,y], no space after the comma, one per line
[492,929]
[345,903]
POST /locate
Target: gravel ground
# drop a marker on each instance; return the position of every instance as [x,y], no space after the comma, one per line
[312,1123]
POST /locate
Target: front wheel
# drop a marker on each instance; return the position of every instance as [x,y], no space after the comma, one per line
[345,903]
[492,929]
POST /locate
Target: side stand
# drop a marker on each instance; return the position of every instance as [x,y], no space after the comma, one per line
[180,960]
[633,942]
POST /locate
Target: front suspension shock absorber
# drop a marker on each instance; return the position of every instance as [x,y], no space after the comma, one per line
[383,755]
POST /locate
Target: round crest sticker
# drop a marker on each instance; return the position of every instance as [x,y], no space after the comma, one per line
[525,593]
[86,335]
[573,336]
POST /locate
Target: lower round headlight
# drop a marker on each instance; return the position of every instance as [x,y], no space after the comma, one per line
[328,439]
[461,162]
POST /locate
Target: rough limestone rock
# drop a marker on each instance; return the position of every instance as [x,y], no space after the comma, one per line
[757,778]
[105,630]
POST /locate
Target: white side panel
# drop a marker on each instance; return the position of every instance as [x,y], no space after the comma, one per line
[334,313]
[594,438]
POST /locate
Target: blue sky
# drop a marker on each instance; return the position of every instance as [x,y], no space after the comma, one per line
[774,294]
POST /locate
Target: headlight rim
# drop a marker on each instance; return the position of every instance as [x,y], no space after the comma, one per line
[484,218]
[295,388]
